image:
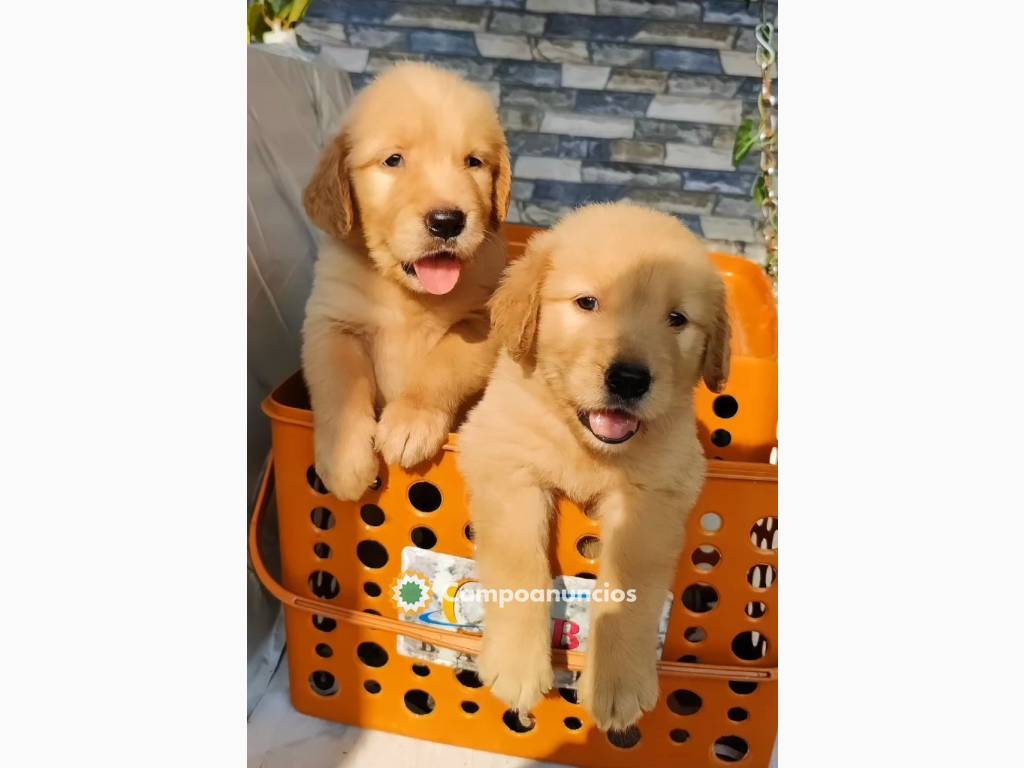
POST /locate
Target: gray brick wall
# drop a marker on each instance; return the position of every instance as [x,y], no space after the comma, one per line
[601,99]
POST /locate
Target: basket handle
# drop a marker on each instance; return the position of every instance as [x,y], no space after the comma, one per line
[463,643]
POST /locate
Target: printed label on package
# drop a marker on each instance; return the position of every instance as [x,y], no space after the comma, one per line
[442,591]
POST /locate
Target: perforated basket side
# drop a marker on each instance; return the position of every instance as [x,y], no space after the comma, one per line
[353,674]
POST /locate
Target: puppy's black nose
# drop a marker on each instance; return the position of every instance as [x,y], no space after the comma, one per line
[628,381]
[446,223]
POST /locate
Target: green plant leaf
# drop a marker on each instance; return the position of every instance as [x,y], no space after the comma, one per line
[746,140]
[297,11]
[256,22]
[760,190]
[276,8]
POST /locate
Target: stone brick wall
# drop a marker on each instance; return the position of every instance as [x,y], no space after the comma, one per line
[601,99]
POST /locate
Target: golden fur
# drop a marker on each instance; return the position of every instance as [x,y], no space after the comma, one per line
[374,341]
[525,442]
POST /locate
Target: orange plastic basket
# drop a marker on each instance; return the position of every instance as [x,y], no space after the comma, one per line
[718,669]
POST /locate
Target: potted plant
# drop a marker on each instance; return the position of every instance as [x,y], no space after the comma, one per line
[273,21]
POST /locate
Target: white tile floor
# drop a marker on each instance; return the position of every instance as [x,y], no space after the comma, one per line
[280,737]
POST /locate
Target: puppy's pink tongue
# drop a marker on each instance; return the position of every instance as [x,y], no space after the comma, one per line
[438,274]
[612,425]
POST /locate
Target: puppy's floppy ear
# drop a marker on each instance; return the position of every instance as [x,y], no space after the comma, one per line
[502,184]
[328,196]
[716,352]
[515,305]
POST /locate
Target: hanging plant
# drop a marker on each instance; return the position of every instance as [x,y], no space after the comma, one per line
[746,142]
[763,136]
[273,21]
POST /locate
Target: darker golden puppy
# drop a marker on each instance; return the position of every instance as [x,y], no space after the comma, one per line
[608,322]
[411,194]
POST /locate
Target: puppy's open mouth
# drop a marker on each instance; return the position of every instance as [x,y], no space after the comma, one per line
[610,425]
[438,273]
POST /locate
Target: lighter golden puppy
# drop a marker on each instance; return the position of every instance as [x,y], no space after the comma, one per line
[607,322]
[412,193]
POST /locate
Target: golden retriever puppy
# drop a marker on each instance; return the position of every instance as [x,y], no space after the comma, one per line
[607,323]
[411,193]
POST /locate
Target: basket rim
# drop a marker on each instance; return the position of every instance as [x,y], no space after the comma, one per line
[278,410]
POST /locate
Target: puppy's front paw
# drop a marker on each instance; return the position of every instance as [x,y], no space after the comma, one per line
[347,467]
[518,674]
[616,693]
[409,433]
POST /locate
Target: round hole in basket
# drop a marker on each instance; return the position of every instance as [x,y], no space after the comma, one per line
[372,588]
[738,714]
[468,678]
[689,659]
[627,738]
[423,537]
[742,687]
[755,609]
[589,547]
[314,481]
[324,623]
[424,496]
[323,585]
[569,694]
[371,686]
[700,598]
[761,576]
[705,557]
[470,707]
[372,553]
[750,646]
[586,575]
[371,611]
[695,634]
[684,702]
[324,651]
[322,550]
[679,735]
[765,534]
[573,723]
[730,749]
[721,438]
[514,724]
[725,406]
[419,702]
[372,515]
[371,654]
[420,670]
[323,518]
[323,682]
[711,522]
[468,531]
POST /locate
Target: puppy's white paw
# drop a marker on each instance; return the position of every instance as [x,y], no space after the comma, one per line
[348,467]
[517,675]
[615,693]
[408,433]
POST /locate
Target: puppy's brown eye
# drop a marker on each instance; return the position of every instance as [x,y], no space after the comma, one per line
[393,161]
[588,303]
[677,319]
[473,162]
